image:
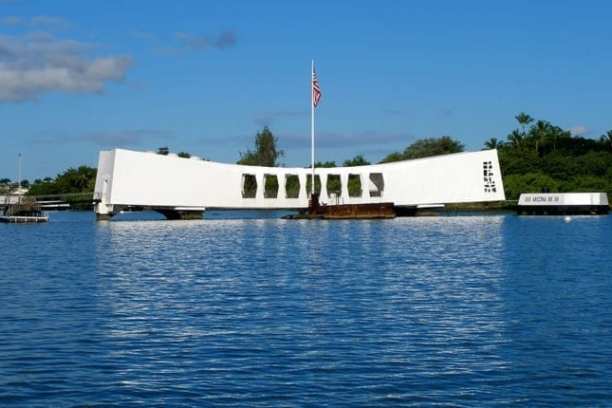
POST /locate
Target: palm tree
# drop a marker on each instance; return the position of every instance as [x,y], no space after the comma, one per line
[606,139]
[516,138]
[523,120]
[542,131]
[493,143]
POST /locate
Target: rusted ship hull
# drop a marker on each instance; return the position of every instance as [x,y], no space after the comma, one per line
[357,211]
[346,211]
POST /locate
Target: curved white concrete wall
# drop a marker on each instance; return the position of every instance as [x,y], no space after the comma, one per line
[147,179]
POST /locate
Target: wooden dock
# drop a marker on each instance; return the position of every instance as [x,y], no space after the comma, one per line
[25,211]
[17,219]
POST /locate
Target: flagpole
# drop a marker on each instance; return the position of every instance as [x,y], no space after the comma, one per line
[312,123]
[18,179]
[18,171]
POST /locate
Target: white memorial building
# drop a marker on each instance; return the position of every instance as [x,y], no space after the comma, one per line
[178,186]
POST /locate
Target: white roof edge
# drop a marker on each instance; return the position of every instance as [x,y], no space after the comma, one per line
[395,163]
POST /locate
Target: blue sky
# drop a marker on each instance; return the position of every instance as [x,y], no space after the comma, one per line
[204,76]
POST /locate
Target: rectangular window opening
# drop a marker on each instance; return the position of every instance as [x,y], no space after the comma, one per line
[309,184]
[354,185]
[334,187]
[292,186]
[249,186]
[270,186]
[378,185]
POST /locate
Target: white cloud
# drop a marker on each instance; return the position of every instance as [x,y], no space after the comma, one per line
[36,22]
[38,63]
[579,130]
[124,138]
[221,41]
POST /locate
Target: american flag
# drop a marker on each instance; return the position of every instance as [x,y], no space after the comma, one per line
[316,89]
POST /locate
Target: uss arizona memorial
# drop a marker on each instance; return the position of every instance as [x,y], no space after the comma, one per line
[181,188]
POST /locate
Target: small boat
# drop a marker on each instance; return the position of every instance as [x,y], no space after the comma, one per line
[23,212]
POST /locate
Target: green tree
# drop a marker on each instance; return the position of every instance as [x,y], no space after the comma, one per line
[358,160]
[326,164]
[393,157]
[334,185]
[184,155]
[427,148]
[587,183]
[271,187]
[309,184]
[79,180]
[540,133]
[292,186]
[606,140]
[523,119]
[548,157]
[265,154]
[593,163]
[493,143]
[558,166]
[433,147]
[354,185]
[516,139]
[515,184]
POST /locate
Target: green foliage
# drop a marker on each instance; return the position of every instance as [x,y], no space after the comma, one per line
[249,189]
[271,187]
[354,185]
[309,184]
[79,180]
[515,184]
[358,160]
[163,151]
[393,157]
[523,119]
[544,156]
[493,143]
[265,154]
[427,148]
[606,140]
[184,155]
[292,186]
[327,164]
[588,183]
[334,185]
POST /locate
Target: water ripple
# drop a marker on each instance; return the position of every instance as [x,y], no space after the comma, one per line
[451,311]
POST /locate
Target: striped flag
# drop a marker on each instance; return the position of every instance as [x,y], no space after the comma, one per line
[316,89]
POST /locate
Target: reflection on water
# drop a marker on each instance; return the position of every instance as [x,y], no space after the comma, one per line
[472,310]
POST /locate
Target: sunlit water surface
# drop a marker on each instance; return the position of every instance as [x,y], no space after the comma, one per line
[454,311]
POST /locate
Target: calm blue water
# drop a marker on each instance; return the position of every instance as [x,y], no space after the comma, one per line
[448,311]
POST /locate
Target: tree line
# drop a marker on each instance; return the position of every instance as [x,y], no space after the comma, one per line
[539,156]
[536,156]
